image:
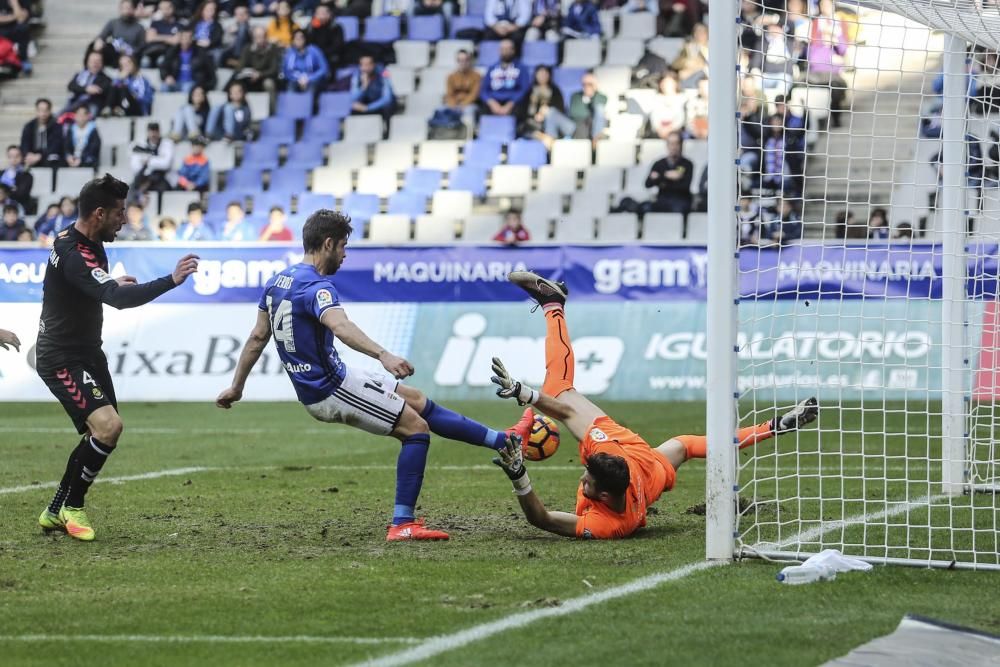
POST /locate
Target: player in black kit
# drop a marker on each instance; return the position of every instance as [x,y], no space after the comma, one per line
[68,352]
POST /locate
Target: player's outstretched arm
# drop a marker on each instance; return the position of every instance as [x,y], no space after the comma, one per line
[252,350]
[9,339]
[351,335]
[84,273]
[511,461]
[508,387]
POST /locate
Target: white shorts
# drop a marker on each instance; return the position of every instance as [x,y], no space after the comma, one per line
[365,400]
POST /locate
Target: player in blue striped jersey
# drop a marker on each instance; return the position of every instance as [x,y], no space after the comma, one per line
[301,310]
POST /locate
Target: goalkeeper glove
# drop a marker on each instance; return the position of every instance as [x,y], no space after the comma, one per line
[508,387]
[511,461]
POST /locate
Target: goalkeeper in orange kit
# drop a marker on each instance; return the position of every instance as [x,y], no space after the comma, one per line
[623,475]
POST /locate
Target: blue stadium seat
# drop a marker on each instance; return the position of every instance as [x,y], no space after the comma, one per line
[243,179]
[260,156]
[470,22]
[540,53]
[278,130]
[321,129]
[426,28]
[489,53]
[290,179]
[497,128]
[360,207]
[351,27]
[477,7]
[335,105]
[422,181]
[306,154]
[527,151]
[297,106]
[483,154]
[310,202]
[408,203]
[218,201]
[296,222]
[382,29]
[568,80]
[346,72]
[263,201]
[470,179]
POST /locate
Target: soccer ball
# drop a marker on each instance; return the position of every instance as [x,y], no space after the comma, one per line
[543,441]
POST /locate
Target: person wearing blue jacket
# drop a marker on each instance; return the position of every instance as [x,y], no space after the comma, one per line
[305,67]
[131,93]
[582,21]
[506,83]
[371,91]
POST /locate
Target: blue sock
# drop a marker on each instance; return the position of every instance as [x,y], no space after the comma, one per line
[451,425]
[410,476]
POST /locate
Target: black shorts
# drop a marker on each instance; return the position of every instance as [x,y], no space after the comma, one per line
[82,384]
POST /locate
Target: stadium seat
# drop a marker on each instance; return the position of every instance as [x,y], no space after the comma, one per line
[347,156]
[586,202]
[568,80]
[638,25]
[382,29]
[407,128]
[306,154]
[556,179]
[166,105]
[297,106]
[351,27]
[618,228]
[362,129]
[244,178]
[440,155]
[259,103]
[434,81]
[613,81]
[606,17]
[334,105]
[627,52]
[585,53]
[395,155]
[389,228]
[403,79]
[543,204]
[379,181]
[528,152]
[482,153]
[497,128]
[470,179]
[221,156]
[290,179]
[260,156]
[696,229]
[173,204]
[446,50]
[640,100]
[423,104]
[615,153]
[44,177]
[425,28]
[412,53]
[662,227]
[489,54]
[667,48]
[575,228]
[635,181]
[510,181]
[219,201]
[321,129]
[651,150]
[411,204]
[452,203]
[331,180]
[697,152]
[310,202]
[263,202]
[571,153]
[422,181]
[434,229]
[360,207]
[539,226]
[277,129]
[540,52]
[481,228]
[602,179]
[119,130]
[626,127]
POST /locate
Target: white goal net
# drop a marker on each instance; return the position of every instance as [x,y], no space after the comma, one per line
[868,210]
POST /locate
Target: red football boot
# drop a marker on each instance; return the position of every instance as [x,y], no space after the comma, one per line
[414,530]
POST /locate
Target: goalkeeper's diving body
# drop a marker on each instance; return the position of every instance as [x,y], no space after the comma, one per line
[623,475]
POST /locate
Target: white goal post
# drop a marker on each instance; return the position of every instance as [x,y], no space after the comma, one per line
[854,172]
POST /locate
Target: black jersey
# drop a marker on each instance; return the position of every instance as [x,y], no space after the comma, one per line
[76,286]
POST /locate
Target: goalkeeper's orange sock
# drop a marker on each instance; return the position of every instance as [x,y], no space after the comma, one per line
[697,445]
[560,364]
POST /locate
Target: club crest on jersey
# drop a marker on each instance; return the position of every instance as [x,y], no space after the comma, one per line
[597,435]
[100,275]
[98,394]
[324,298]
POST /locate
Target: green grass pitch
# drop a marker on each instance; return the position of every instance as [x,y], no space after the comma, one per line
[283,535]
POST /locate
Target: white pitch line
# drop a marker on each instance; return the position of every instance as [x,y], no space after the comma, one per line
[127,478]
[210,639]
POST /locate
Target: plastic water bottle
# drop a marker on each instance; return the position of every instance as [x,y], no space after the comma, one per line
[806,574]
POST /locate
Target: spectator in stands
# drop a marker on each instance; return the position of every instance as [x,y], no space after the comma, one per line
[237,227]
[167,230]
[586,119]
[263,7]
[276,229]
[772,61]
[90,86]
[238,36]
[151,160]
[798,24]
[187,65]
[878,224]
[162,34]
[641,7]
[191,120]
[195,172]
[581,21]
[41,138]
[781,226]
[903,232]
[121,36]
[47,223]
[512,230]
[371,91]
[281,30]
[13,225]
[672,177]
[259,65]
[692,62]
[543,101]
[67,213]
[326,35]
[546,19]
[131,93]
[676,18]
[748,217]
[844,222]
[14,25]
[507,82]
[462,89]
[82,141]
[305,67]
[774,169]
[136,227]
[232,120]
[6,199]
[16,177]
[207,29]
[668,113]
[507,19]
[194,228]
[696,113]
[431,8]
[827,47]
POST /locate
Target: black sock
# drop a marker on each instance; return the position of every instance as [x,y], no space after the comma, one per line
[89,462]
[63,489]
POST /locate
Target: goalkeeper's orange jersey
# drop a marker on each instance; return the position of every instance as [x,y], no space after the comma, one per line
[650,474]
